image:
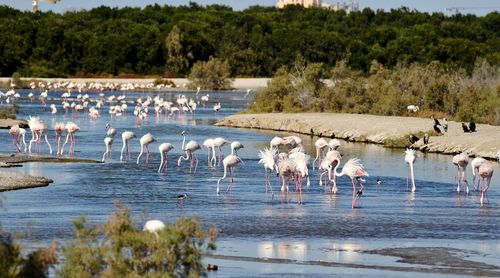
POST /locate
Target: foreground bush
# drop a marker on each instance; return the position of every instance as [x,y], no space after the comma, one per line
[118,249]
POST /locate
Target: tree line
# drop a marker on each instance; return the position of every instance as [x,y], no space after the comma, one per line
[168,41]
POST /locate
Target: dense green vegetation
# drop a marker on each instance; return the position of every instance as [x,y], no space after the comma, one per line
[115,249]
[167,40]
[436,90]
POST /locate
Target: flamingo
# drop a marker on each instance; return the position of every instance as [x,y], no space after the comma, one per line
[276,142]
[108,141]
[53,109]
[59,127]
[301,161]
[22,134]
[461,160]
[235,146]
[14,131]
[332,159]
[71,128]
[164,149]
[229,163]
[210,145]
[354,170]
[145,140]
[38,128]
[485,173]
[410,159]
[126,137]
[320,145]
[219,142]
[189,148]
[268,160]
[286,168]
[333,144]
[475,163]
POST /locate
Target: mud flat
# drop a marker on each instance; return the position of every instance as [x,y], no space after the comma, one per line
[14,181]
[7,123]
[375,129]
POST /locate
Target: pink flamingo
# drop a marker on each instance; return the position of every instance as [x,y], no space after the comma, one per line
[126,137]
[219,142]
[164,149]
[475,163]
[268,160]
[355,170]
[229,163]
[410,159]
[461,160]
[333,144]
[210,145]
[331,160]
[108,141]
[14,131]
[485,173]
[189,148]
[59,127]
[275,143]
[286,168]
[145,140]
[71,128]
[301,161]
[38,128]
[320,145]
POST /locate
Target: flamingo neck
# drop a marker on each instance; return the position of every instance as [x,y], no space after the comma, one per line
[183,141]
[335,169]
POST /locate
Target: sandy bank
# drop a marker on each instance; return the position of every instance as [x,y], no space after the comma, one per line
[7,123]
[238,83]
[14,181]
[13,159]
[374,129]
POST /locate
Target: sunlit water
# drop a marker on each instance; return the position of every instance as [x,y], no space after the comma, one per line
[251,222]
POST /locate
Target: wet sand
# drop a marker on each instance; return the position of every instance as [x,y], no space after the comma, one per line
[7,123]
[14,181]
[375,129]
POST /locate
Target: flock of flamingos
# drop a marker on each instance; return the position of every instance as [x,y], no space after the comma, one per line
[285,156]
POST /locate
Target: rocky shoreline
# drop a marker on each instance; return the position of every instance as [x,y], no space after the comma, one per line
[15,181]
[376,129]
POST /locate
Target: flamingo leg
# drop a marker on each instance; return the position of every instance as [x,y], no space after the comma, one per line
[147,154]
[353,194]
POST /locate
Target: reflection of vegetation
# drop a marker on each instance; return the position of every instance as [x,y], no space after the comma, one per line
[255,42]
[116,249]
[436,90]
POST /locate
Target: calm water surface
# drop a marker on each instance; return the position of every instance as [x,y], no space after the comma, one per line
[251,222]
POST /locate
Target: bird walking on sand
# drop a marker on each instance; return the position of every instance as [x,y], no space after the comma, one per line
[164,149]
[145,141]
[108,141]
[229,163]
[71,128]
[126,137]
[475,163]
[354,170]
[410,159]
[461,161]
[190,149]
[485,173]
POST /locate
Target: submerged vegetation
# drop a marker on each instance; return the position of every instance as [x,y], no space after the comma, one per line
[116,249]
[167,40]
[436,90]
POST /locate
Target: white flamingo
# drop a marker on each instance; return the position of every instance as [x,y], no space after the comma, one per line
[410,159]
[145,140]
[164,149]
[126,137]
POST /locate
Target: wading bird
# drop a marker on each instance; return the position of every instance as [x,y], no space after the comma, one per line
[485,173]
[190,149]
[410,159]
[461,161]
[164,149]
[354,170]
[126,137]
[145,141]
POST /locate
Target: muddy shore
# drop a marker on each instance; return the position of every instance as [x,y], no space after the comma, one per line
[375,129]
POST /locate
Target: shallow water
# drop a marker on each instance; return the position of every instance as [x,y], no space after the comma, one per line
[250,220]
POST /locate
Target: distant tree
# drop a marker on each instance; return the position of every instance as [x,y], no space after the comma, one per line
[213,74]
[177,61]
